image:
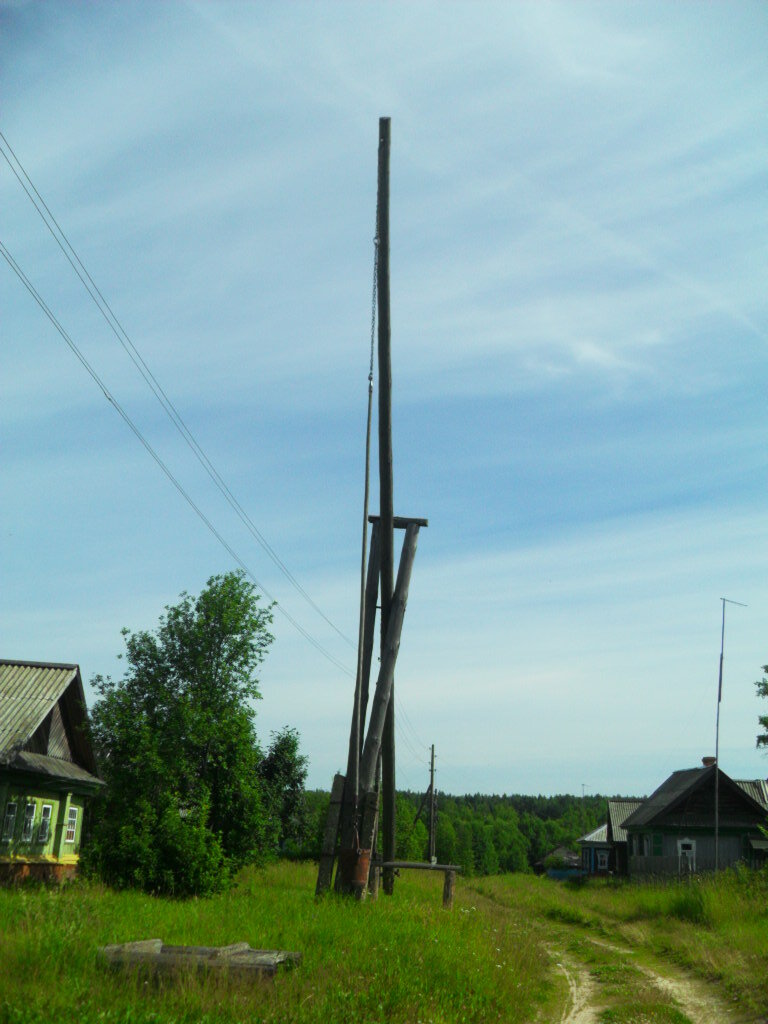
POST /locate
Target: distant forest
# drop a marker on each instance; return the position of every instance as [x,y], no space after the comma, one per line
[486,835]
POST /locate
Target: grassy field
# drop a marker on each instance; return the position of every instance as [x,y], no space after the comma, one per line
[711,929]
[498,956]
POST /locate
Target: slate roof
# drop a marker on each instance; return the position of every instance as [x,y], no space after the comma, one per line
[42,714]
[756,788]
[28,692]
[597,835]
[618,812]
[55,767]
[678,787]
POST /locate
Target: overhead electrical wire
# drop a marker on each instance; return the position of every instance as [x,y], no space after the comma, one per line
[72,257]
[137,359]
[158,460]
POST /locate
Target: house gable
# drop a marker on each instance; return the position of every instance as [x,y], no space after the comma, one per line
[42,712]
[686,801]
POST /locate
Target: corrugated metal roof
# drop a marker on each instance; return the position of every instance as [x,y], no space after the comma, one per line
[598,835]
[53,766]
[618,812]
[756,788]
[28,691]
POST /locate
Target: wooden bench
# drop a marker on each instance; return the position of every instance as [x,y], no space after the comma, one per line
[449,874]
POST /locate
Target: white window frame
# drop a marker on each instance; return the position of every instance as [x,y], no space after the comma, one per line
[44,828]
[686,853]
[9,821]
[28,828]
[71,825]
[602,860]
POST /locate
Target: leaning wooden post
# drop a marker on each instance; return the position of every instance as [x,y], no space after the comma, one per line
[328,851]
[351,811]
[371,594]
[382,696]
[385,490]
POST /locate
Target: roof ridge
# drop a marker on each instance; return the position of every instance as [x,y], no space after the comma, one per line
[39,664]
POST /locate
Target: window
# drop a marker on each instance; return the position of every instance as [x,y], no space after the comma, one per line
[29,823]
[686,852]
[602,860]
[9,822]
[71,825]
[658,844]
[646,846]
[44,829]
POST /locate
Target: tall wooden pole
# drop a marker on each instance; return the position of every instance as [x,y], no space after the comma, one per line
[432,802]
[385,495]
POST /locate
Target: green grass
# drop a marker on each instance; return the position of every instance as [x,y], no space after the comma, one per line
[715,928]
[400,959]
[500,955]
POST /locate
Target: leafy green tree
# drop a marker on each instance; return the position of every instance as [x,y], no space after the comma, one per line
[445,840]
[762,691]
[411,840]
[464,851]
[283,772]
[176,743]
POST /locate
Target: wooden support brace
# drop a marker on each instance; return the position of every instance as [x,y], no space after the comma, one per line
[449,888]
[328,851]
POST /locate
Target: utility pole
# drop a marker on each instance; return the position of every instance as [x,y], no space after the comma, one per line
[386,495]
[432,809]
[725,601]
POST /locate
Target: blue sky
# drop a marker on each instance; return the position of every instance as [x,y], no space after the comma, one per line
[579,359]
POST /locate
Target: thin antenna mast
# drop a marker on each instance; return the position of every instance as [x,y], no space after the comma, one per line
[725,600]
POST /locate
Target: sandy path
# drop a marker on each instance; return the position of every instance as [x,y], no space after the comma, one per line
[695,998]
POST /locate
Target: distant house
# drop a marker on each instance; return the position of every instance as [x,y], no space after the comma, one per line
[673,831]
[47,769]
[558,863]
[595,851]
[604,850]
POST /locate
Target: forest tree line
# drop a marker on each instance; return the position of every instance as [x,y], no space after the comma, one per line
[485,834]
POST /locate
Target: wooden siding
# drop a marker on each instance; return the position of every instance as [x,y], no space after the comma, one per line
[731,850]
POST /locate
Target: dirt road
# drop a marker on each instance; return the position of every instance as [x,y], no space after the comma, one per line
[618,980]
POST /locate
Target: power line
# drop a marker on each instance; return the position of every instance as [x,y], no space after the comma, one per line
[158,460]
[415,736]
[137,359]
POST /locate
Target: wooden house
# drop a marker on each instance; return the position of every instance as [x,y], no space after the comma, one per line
[47,769]
[673,831]
[604,850]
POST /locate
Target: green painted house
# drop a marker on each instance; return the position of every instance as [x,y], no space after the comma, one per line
[47,769]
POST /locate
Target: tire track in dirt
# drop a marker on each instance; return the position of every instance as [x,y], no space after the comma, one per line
[694,998]
[581,994]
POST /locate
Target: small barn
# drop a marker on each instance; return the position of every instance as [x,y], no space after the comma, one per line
[673,831]
[47,769]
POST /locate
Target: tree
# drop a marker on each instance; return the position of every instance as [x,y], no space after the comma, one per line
[177,747]
[283,772]
[762,691]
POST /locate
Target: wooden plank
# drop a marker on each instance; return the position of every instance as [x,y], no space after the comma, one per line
[328,851]
[400,522]
[418,865]
[238,959]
